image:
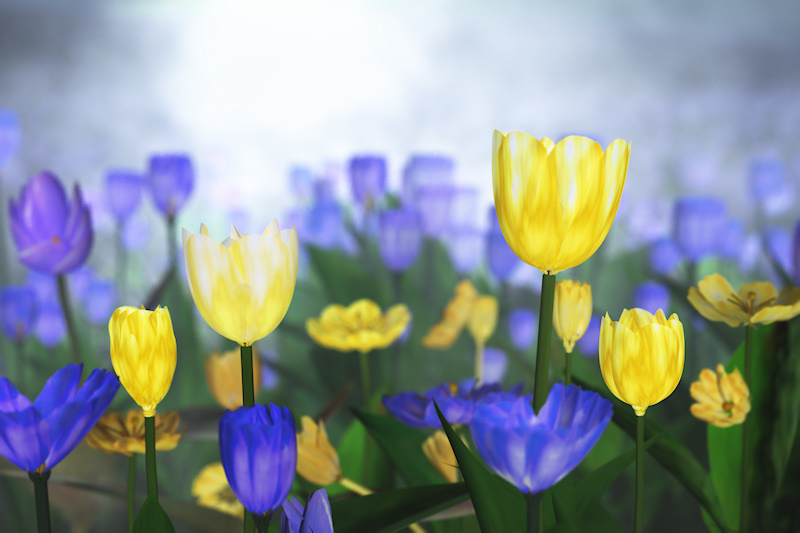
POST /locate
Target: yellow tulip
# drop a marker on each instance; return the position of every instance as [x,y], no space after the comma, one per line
[317,460]
[556,202]
[572,311]
[440,454]
[755,303]
[115,433]
[723,400]
[361,326]
[224,377]
[212,490]
[454,318]
[641,357]
[144,354]
[242,287]
[483,319]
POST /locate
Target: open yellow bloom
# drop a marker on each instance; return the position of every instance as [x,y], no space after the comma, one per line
[242,287]
[361,326]
[144,354]
[317,460]
[755,303]
[556,202]
[641,356]
[439,452]
[115,433]
[467,308]
[224,377]
[211,489]
[572,311]
[723,400]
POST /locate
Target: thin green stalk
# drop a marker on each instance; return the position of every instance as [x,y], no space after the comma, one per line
[639,509]
[249,522]
[131,490]
[63,296]
[42,500]
[150,455]
[172,244]
[567,368]
[748,351]
[397,286]
[534,502]
[540,388]
[478,363]
[262,522]
[248,388]
[364,364]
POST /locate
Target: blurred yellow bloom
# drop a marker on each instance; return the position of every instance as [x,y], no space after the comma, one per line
[361,326]
[556,202]
[317,460]
[467,308]
[115,433]
[144,353]
[723,400]
[641,357]
[211,489]
[224,377]
[755,303]
[242,287]
[483,319]
[439,452]
[572,311]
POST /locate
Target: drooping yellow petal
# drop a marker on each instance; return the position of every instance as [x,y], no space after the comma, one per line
[115,433]
[317,460]
[455,316]
[440,454]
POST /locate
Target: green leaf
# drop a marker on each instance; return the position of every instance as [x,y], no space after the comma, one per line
[152,518]
[564,515]
[345,278]
[361,458]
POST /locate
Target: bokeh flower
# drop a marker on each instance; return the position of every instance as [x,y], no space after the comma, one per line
[18,309]
[697,224]
[37,435]
[400,238]
[500,258]
[367,178]
[534,451]
[522,328]
[651,296]
[360,326]
[495,364]
[425,169]
[455,316]
[641,357]
[665,256]
[591,338]
[317,460]
[433,202]
[572,311]
[224,377]
[9,135]
[483,318]
[314,518]
[171,180]
[144,354]
[723,399]
[211,489]
[52,233]
[119,433]
[99,300]
[440,454]
[244,286]
[124,192]
[556,202]
[758,302]
[466,249]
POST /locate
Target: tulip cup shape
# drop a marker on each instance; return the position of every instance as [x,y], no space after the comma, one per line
[315,518]
[242,287]
[556,202]
[641,357]
[259,453]
[171,180]
[535,451]
[572,311]
[53,234]
[144,354]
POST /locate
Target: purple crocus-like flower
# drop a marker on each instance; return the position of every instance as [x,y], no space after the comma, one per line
[314,518]
[665,256]
[258,447]
[425,169]
[324,224]
[651,296]
[367,178]
[400,238]
[769,187]
[456,400]
[779,246]
[534,452]
[590,342]
[301,183]
[697,225]
[50,326]
[52,234]
[99,301]
[522,327]
[433,203]
[38,435]
[466,246]
[17,311]
[730,240]
[124,192]
[495,363]
[171,179]
[9,135]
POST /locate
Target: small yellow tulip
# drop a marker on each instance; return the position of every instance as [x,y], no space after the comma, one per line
[572,311]
[723,400]
[454,318]
[439,452]
[641,357]
[242,287]
[144,354]
[317,460]
[556,202]
[483,319]
[212,490]
[755,303]
[115,433]
[224,377]
[361,326]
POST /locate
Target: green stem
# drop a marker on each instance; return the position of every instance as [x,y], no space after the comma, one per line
[364,364]
[249,522]
[748,351]
[397,286]
[262,522]
[248,388]
[131,490]
[172,244]
[42,500]
[540,388]
[567,368]
[534,511]
[478,363]
[63,296]
[150,455]
[639,509]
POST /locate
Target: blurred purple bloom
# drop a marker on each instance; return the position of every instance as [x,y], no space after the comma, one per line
[79,281]
[400,238]
[315,518]
[99,301]
[466,247]
[171,179]
[590,342]
[135,233]
[9,136]
[697,224]
[425,170]
[269,378]
[50,327]
[463,207]
[495,363]
[324,224]
[769,186]
[52,234]
[301,183]
[433,203]
[730,240]
[124,192]
[522,327]
[779,245]
[500,258]
[325,190]
[651,296]
[367,178]
[665,256]
[17,311]
[44,285]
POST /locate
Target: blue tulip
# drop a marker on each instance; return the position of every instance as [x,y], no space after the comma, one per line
[171,180]
[651,296]
[367,178]
[258,447]
[425,170]
[18,310]
[301,183]
[589,344]
[697,224]
[315,518]
[665,256]
[434,203]
[495,364]
[38,435]
[730,240]
[523,327]
[9,136]
[466,247]
[124,192]
[533,452]
[400,238]
[99,301]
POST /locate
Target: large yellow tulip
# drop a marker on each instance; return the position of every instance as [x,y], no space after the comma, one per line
[556,202]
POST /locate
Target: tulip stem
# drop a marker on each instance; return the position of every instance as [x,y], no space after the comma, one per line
[364,364]
[748,350]
[540,388]
[248,388]
[351,485]
[249,522]
[534,511]
[639,509]
[567,368]
[150,455]
[42,500]
[63,297]
[131,490]
[478,363]
[262,521]
[172,245]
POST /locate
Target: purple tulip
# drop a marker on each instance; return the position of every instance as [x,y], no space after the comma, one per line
[522,327]
[463,207]
[324,224]
[769,187]
[301,183]
[697,224]
[425,170]
[651,296]
[9,136]
[400,238]
[324,190]
[433,203]
[171,179]
[124,191]
[367,178]
[17,311]
[730,240]
[314,518]
[665,256]
[52,234]
[466,247]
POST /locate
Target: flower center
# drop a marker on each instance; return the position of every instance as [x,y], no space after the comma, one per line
[727,406]
[55,239]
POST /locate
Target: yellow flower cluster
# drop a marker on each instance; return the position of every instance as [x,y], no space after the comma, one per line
[361,326]
[115,433]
